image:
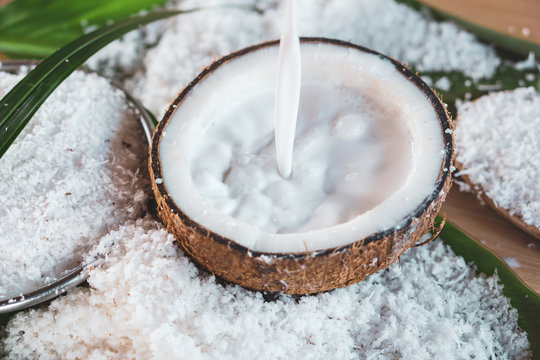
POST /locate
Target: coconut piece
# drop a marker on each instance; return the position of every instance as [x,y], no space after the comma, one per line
[314,269]
[496,153]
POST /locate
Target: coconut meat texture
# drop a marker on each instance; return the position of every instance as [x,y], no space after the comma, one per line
[369,149]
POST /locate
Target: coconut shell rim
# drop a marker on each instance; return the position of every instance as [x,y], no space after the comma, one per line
[442,115]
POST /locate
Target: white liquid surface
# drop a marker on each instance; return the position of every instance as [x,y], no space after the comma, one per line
[351,153]
[287,96]
[368,151]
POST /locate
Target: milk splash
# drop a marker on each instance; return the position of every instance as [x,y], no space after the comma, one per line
[287,90]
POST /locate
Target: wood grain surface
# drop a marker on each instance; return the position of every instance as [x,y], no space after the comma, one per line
[519,18]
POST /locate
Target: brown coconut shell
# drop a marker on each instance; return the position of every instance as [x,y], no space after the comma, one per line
[307,272]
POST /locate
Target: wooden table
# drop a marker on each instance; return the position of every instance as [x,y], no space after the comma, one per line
[520,18]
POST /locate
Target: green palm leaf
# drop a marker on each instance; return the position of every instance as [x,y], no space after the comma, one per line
[20,104]
[36,28]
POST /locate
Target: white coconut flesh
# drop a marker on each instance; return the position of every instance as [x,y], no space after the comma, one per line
[368,151]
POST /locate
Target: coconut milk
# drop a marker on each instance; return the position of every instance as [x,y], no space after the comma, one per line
[351,153]
[287,90]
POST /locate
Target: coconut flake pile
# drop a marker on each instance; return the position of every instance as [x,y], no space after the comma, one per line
[498,145]
[195,40]
[149,301]
[70,178]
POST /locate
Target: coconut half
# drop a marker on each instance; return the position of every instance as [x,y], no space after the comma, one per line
[298,261]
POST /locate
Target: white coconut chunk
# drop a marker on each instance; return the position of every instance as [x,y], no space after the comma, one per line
[368,151]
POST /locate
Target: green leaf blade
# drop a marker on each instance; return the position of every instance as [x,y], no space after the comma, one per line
[25,24]
[21,103]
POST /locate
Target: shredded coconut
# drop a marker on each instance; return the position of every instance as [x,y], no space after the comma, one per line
[498,150]
[194,40]
[443,83]
[149,301]
[530,77]
[71,177]
[529,63]
[489,87]
[124,56]
[512,262]
[428,80]
[398,31]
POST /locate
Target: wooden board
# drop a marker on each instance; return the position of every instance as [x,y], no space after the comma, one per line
[519,18]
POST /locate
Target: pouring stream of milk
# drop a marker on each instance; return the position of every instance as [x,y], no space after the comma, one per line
[287,90]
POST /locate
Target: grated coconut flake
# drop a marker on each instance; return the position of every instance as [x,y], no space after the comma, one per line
[498,150]
[70,178]
[147,300]
[195,40]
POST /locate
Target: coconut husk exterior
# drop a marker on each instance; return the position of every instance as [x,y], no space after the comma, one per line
[308,272]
